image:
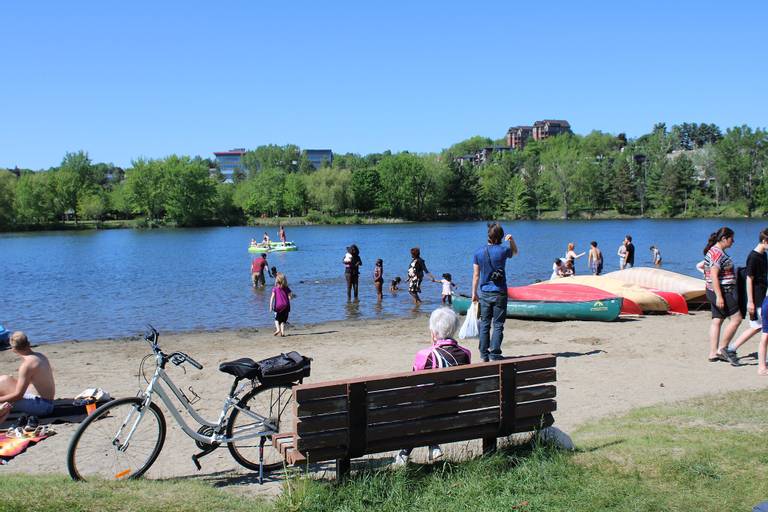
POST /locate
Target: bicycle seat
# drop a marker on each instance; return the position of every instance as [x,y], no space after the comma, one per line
[243,368]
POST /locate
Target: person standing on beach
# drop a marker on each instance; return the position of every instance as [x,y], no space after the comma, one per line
[622,254]
[570,253]
[280,303]
[489,289]
[595,259]
[352,264]
[630,261]
[378,278]
[720,279]
[757,284]
[416,270]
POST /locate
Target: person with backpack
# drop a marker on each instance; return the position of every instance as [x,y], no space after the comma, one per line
[280,303]
[443,353]
[489,289]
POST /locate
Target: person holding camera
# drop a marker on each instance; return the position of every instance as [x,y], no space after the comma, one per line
[489,288]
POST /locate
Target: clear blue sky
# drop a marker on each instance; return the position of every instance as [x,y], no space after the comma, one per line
[139,78]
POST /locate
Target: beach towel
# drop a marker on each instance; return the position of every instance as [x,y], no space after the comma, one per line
[10,447]
[65,410]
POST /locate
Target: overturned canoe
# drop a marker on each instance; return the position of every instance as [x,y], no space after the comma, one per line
[691,288]
[561,291]
[648,301]
[605,310]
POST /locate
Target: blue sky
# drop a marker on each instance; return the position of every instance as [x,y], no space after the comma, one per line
[128,79]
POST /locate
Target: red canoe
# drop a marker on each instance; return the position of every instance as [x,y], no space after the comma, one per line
[569,293]
[677,303]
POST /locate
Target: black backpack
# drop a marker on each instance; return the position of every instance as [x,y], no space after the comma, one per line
[284,369]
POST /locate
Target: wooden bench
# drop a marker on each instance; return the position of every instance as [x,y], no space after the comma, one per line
[344,419]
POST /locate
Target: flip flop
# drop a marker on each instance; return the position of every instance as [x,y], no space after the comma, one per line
[714,359]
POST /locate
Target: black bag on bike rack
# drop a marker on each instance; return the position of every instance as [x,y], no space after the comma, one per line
[284,369]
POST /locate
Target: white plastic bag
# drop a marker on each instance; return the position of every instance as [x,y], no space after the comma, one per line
[469,329]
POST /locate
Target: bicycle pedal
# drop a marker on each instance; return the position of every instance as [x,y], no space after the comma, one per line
[197,462]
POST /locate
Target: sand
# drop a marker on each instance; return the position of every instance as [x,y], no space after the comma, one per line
[603,369]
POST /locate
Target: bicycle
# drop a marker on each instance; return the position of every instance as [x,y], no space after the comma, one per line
[123,438]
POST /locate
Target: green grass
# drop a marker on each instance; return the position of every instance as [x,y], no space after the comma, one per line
[708,454]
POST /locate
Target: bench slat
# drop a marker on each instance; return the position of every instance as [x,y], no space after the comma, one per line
[433,377]
[427,392]
[328,439]
[452,421]
[320,390]
[310,424]
[525,364]
[446,436]
[435,408]
[535,393]
[536,377]
[323,406]
[532,409]
[530,424]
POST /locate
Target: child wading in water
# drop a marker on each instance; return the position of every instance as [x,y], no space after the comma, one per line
[448,287]
[378,278]
[280,303]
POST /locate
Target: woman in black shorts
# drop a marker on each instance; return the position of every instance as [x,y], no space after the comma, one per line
[720,277]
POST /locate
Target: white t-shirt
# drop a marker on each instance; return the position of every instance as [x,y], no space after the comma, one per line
[447,285]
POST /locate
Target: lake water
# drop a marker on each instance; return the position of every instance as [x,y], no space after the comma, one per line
[103,284]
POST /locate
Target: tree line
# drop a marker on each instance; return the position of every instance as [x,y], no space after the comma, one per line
[689,170]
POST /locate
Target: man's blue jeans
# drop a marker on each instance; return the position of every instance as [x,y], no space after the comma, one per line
[493,310]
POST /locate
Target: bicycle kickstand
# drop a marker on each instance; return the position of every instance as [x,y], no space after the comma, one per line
[262,440]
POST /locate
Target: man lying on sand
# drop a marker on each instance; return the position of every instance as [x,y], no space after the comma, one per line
[35,370]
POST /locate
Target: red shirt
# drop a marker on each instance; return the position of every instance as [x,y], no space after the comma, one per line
[257,267]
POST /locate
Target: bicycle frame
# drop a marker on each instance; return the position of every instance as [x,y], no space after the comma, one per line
[261,428]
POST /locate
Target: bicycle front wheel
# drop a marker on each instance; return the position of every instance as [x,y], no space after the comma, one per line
[120,440]
[270,405]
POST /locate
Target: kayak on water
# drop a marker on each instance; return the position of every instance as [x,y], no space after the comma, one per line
[604,310]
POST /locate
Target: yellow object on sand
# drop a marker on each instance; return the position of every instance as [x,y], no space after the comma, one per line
[689,287]
[648,301]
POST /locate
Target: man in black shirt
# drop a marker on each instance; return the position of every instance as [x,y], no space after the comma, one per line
[756,286]
[630,262]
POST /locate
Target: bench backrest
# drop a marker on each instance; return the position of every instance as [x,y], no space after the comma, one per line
[350,418]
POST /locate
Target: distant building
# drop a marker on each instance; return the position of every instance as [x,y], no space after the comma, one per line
[549,128]
[230,163]
[317,156]
[517,136]
[481,156]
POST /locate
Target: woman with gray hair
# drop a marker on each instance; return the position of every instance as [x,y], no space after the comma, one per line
[444,352]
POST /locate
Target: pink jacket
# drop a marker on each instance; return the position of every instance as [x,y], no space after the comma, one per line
[442,354]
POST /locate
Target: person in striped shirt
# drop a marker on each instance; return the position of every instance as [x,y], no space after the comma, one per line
[720,278]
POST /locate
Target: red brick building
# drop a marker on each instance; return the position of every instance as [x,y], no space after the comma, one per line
[550,127]
[517,136]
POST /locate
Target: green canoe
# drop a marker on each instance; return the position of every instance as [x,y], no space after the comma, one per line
[603,310]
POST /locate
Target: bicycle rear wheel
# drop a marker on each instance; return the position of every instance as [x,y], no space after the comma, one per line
[276,405]
[97,449]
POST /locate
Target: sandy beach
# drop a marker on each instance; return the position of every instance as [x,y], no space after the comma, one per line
[603,369]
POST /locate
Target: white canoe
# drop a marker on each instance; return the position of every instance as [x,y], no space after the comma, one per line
[689,287]
[648,301]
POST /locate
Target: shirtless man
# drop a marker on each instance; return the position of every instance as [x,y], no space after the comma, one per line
[35,370]
[595,259]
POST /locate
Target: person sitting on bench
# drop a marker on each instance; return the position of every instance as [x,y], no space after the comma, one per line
[444,352]
[35,370]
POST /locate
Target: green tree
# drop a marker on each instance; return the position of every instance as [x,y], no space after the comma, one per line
[365,185]
[329,190]
[740,161]
[144,188]
[464,185]
[34,199]
[7,193]
[118,201]
[272,156]
[559,158]
[74,178]
[295,194]
[622,192]
[408,185]
[95,205]
[518,204]
[189,190]
[225,211]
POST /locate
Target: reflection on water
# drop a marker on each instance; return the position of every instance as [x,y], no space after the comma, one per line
[99,284]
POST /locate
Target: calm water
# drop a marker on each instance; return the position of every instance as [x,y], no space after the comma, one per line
[88,285]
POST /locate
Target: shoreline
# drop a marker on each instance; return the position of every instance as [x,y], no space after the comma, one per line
[603,369]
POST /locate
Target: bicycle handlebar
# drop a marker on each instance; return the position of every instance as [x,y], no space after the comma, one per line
[176,358]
